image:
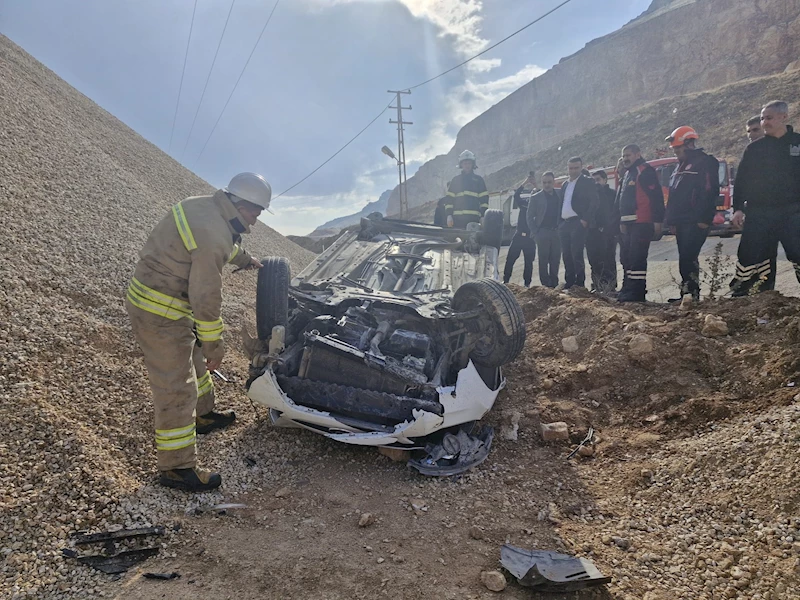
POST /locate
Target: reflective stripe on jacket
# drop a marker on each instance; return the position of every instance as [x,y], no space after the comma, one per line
[179,273]
[467,196]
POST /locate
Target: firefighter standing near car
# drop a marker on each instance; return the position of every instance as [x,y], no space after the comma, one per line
[691,206]
[767,191]
[467,195]
[522,242]
[640,203]
[174,302]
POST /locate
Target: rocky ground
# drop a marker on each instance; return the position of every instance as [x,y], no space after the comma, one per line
[689,490]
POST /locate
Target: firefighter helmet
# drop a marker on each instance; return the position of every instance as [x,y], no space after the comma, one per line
[680,135]
[467,155]
[251,187]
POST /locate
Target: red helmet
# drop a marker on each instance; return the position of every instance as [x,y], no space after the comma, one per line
[680,135]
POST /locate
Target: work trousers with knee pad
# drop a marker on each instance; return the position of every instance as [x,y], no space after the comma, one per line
[179,381]
[763,229]
[633,250]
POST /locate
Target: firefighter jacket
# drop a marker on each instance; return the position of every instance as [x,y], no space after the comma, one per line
[468,197]
[179,273]
[769,174]
[640,198]
[693,190]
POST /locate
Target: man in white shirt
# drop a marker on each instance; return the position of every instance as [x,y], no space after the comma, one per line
[578,203]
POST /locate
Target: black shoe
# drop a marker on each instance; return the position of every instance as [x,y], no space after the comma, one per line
[190,480]
[674,300]
[629,298]
[215,420]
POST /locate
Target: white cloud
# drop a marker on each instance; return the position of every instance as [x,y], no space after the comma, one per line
[462,104]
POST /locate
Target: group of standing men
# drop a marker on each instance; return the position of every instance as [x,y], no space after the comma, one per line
[589,216]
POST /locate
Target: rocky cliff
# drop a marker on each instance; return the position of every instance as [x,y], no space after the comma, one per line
[674,48]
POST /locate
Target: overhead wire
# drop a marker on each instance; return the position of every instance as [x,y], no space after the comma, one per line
[413,87]
[183,72]
[260,35]
[208,78]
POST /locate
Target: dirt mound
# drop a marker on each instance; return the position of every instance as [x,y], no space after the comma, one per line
[80,194]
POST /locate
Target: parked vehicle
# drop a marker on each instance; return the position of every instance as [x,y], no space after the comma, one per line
[394,336]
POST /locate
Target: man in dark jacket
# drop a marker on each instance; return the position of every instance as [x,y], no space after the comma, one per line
[640,203]
[544,210]
[467,193]
[768,191]
[440,214]
[692,204]
[578,202]
[601,239]
[522,240]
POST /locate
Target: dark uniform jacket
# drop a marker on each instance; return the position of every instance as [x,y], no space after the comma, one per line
[521,201]
[769,174]
[640,198]
[584,198]
[606,216]
[693,190]
[468,197]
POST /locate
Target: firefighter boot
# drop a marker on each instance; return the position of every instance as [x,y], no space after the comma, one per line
[190,480]
[215,420]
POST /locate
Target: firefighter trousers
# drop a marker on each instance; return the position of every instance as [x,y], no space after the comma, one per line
[601,251]
[520,243]
[181,386]
[573,239]
[548,243]
[633,250]
[763,229]
[690,239]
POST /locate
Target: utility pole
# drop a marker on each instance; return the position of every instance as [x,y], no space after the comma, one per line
[401,149]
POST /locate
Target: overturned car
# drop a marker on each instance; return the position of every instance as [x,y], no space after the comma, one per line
[394,336]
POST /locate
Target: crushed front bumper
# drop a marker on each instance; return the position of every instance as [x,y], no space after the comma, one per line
[469,400]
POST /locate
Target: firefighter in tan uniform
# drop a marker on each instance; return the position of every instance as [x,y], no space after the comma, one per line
[174,302]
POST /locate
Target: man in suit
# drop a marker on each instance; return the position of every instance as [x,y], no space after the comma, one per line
[578,202]
[544,212]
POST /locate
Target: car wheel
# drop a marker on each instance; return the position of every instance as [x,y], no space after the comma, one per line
[272,295]
[502,324]
[492,228]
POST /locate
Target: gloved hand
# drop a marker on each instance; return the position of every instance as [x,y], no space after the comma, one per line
[213,353]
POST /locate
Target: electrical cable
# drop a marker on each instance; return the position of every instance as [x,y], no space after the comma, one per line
[260,35]
[508,37]
[183,72]
[353,139]
[482,52]
[208,78]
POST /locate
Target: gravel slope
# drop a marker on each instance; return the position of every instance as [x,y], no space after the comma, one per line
[80,191]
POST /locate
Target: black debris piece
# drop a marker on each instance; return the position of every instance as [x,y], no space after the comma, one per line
[121,534]
[251,462]
[119,563]
[162,576]
[69,552]
[547,571]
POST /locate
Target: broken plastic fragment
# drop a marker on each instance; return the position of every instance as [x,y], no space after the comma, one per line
[455,454]
[549,571]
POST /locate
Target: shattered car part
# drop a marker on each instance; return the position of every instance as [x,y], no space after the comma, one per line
[118,563]
[120,534]
[455,454]
[549,571]
[161,576]
[395,336]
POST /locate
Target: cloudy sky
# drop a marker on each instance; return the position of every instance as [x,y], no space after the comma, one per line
[319,74]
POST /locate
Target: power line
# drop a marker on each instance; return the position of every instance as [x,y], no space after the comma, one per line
[260,35]
[208,78]
[183,72]
[505,39]
[482,52]
[353,139]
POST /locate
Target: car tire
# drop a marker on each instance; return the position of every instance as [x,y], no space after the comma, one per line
[272,295]
[492,228]
[503,324]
